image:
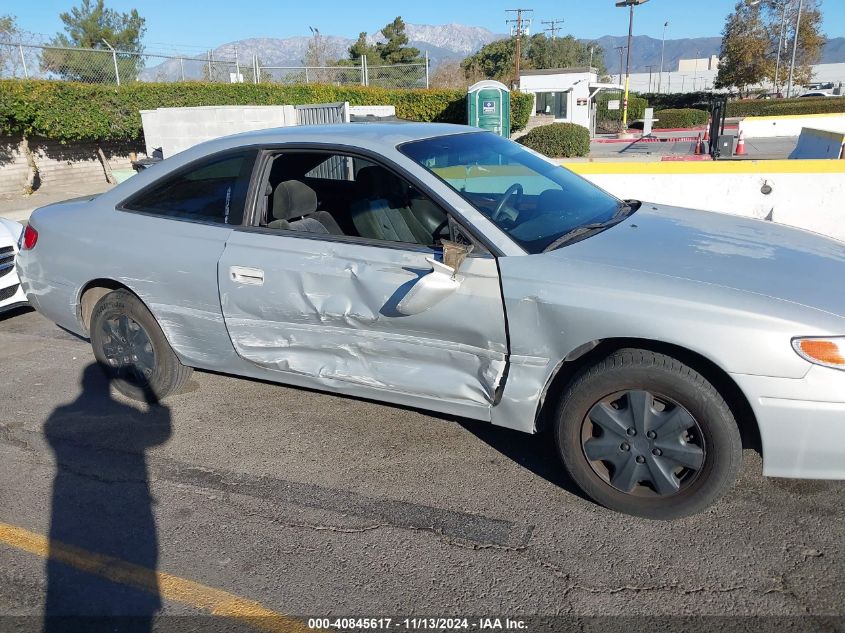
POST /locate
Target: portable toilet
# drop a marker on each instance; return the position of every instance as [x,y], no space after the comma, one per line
[489,107]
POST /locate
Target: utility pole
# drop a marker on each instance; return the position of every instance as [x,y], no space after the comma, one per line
[795,48]
[621,50]
[553,27]
[650,69]
[518,29]
[631,4]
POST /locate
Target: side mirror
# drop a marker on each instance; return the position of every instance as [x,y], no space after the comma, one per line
[442,281]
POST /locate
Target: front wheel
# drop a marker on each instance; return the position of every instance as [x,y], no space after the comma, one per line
[133,351]
[644,434]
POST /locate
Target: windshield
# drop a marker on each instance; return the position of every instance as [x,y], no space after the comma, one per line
[536,202]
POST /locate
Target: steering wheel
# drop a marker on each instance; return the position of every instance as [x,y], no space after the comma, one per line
[515,191]
[438,232]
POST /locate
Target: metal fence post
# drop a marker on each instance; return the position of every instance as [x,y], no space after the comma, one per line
[237,67]
[208,57]
[426,69]
[23,61]
[182,68]
[114,59]
[256,76]
[363,70]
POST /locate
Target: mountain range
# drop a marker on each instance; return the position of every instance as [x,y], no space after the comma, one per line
[453,42]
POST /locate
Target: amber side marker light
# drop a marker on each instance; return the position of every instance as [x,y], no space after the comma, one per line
[829,352]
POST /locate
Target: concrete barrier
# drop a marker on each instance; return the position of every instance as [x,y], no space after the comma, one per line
[790,125]
[808,194]
[177,129]
[819,144]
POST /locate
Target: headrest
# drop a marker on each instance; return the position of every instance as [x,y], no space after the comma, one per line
[293,199]
[553,201]
[377,182]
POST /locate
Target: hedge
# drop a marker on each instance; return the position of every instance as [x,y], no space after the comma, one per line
[559,140]
[682,100]
[779,107]
[68,111]
[680,118]
[636,108]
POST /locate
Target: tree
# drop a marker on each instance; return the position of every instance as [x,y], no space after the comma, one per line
[496,60]
[563,52]
[745,49]
[493,61]
[750,43]
[396,50]
[810,39]
[362,48]
[92,26]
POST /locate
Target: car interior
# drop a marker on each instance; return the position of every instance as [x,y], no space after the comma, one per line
[345,195]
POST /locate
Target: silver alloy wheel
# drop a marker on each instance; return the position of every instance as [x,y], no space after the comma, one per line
[643,444]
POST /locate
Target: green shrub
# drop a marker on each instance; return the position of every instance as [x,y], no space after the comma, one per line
[684,118]
[782,107]
[559,140]
[681,100]
[636,108]
[67,111]
[521,106]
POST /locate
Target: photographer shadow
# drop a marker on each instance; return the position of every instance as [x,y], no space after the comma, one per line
[101,503]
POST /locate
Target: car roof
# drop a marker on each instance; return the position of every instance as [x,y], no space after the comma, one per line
[364,134]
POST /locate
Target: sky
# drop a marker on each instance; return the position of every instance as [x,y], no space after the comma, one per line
[210,23]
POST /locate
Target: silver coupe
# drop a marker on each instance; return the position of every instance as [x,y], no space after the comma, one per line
[448,269]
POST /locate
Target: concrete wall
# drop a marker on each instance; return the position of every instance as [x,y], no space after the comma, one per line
[791,125]
[808,194]
[819,144]
[59,165]
[177,129]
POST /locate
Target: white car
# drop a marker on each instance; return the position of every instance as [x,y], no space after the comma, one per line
[11,294]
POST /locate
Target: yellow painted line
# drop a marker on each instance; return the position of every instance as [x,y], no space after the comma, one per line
[168,586]
[761,167]
[793,116]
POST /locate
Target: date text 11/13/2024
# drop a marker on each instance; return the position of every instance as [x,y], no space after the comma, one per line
[418,624]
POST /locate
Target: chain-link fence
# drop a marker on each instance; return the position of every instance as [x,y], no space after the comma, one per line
[21,60]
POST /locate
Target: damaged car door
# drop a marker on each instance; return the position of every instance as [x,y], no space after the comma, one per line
[359,297]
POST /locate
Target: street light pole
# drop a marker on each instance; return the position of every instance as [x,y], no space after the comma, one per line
[776,88]
[662,58]
[795,48]
[631,4]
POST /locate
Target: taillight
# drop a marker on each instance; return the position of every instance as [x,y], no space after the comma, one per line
[30,238]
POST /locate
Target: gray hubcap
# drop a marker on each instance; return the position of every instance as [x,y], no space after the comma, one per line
[128,349]
[643,444]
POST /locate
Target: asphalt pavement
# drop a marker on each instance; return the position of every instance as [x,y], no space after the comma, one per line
[243,497]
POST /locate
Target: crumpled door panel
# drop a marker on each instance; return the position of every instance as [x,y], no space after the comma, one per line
[326,310]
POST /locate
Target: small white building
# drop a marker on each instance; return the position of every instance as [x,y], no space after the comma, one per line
[566,94]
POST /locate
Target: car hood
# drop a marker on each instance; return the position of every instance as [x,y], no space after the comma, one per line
[10,231]
[743,254]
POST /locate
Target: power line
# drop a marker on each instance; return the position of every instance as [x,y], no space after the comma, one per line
[553,27]
[519,30]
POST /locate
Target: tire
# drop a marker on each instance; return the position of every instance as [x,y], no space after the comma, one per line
[597,436]
[133,351]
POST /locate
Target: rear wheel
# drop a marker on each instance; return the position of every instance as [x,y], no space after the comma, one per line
[644,434]
[133,351]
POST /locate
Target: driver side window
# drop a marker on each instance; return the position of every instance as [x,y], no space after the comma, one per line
[345,195]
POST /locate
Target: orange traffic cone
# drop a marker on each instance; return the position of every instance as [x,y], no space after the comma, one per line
[740,146]
[699,146]
[707,130]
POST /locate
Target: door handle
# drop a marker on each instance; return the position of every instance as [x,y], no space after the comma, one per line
[249,276]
